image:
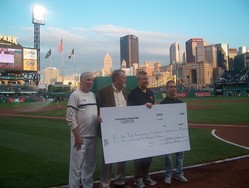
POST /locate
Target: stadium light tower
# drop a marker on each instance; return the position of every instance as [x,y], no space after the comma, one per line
[38,18]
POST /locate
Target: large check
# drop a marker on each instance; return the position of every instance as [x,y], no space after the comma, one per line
[135,132]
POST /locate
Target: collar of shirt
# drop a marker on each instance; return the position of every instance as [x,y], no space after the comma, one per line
[115,89]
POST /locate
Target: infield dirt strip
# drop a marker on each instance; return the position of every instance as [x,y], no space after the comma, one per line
[227,174]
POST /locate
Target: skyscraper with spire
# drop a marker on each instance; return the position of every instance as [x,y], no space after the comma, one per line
[107,64]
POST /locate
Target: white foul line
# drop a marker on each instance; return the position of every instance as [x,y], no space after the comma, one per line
[213,133]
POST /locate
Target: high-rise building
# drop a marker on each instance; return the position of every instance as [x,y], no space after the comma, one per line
[241,61]
[233,52]
[195,50]
[184,57]
[211,58]
[211,55]
[129,50]
[222,56]
[175,53]
[108,64]
[242,50]
[200,52]
[50,75]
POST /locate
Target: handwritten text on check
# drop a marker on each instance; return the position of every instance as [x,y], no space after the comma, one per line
[135,132]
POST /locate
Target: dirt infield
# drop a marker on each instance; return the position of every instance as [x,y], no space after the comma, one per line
[230,174]
[222,174]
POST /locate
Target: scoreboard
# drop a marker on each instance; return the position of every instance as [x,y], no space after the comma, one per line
[29,59]
[14,57]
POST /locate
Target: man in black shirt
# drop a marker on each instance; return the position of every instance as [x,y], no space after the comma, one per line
[142,96]
[171,98]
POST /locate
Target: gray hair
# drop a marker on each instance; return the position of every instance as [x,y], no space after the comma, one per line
[84,75]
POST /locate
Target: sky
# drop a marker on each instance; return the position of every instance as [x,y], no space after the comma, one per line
[93,28]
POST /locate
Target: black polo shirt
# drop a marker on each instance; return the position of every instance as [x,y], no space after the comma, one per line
[138,97]
[168,100]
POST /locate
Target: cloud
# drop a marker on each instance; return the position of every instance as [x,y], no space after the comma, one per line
[149,42]
[92,44]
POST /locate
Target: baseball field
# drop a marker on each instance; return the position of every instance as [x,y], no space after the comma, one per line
[35,139]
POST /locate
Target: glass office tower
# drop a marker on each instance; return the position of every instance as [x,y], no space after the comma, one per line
[129,50]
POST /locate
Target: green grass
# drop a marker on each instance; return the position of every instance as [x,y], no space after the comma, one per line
[35,152]
[218,110]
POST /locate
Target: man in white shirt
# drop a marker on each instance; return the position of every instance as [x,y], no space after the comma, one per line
[81,117]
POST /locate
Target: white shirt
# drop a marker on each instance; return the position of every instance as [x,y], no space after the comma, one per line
[119,97]
[82,113]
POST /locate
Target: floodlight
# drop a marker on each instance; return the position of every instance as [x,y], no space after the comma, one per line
[38,18]
[38,15]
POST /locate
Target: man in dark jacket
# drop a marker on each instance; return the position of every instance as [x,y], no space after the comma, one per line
[111,96]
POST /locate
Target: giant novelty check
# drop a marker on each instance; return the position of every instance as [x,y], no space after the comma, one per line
[135,132]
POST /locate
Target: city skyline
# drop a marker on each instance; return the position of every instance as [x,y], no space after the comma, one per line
[94,28]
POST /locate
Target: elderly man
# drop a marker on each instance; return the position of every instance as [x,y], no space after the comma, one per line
[81,117]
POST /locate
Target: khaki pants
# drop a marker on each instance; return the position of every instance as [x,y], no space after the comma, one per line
[106,173]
